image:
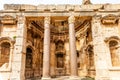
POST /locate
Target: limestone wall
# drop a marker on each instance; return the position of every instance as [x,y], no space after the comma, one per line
[8,31]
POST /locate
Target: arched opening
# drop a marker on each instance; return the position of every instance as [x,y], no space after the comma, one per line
[5,53]
[28,66]
[114,51]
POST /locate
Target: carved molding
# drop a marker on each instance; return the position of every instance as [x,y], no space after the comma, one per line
[109,19]
[7,19]
[7,39]
[112,38]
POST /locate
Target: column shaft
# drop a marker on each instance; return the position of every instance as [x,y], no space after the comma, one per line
[73,56]
[46,55]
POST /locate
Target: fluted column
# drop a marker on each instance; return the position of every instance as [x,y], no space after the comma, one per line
[46,54]
[72,42]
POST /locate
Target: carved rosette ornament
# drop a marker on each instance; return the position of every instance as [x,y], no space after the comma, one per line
[47,20]
[71,19]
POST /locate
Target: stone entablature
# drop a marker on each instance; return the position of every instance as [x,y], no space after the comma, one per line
[61,7]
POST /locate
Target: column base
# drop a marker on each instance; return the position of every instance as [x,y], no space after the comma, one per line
[45,78]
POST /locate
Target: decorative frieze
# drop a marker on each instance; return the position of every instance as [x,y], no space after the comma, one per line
[109,19]
[7,19]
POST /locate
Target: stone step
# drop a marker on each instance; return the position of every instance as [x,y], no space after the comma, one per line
[65,78]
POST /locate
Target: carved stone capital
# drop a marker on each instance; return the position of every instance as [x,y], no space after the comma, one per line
[47,20]
[71,19]
[21,19]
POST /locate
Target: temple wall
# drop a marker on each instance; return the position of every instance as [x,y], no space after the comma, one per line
[97,56]
[8,31]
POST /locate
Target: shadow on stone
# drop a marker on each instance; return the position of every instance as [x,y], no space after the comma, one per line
[88,78]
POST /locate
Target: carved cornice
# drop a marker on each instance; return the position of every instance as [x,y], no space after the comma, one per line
[7,19]
[109,19]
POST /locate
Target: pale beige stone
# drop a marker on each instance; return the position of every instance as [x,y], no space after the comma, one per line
[34,31]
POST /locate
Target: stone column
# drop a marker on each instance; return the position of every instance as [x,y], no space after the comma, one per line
[18,64]
[100,50]
[72,42]
[46,54]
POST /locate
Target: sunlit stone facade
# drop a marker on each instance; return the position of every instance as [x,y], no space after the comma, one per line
[59,41]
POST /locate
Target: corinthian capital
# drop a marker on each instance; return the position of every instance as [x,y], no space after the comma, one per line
[47,20]
[71,19]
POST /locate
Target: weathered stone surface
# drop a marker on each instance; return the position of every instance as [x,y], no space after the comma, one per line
[94,37]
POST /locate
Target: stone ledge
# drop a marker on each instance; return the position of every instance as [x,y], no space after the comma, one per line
[61,7]
[114,69]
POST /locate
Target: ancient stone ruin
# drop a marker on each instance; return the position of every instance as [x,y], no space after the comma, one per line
[60,42]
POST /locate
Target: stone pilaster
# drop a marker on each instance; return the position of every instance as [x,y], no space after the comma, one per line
[100,50]
[52,60]
[18,64]
[72,42]
[46,46]
[67,58]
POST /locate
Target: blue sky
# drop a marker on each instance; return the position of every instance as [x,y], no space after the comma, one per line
[37,2]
